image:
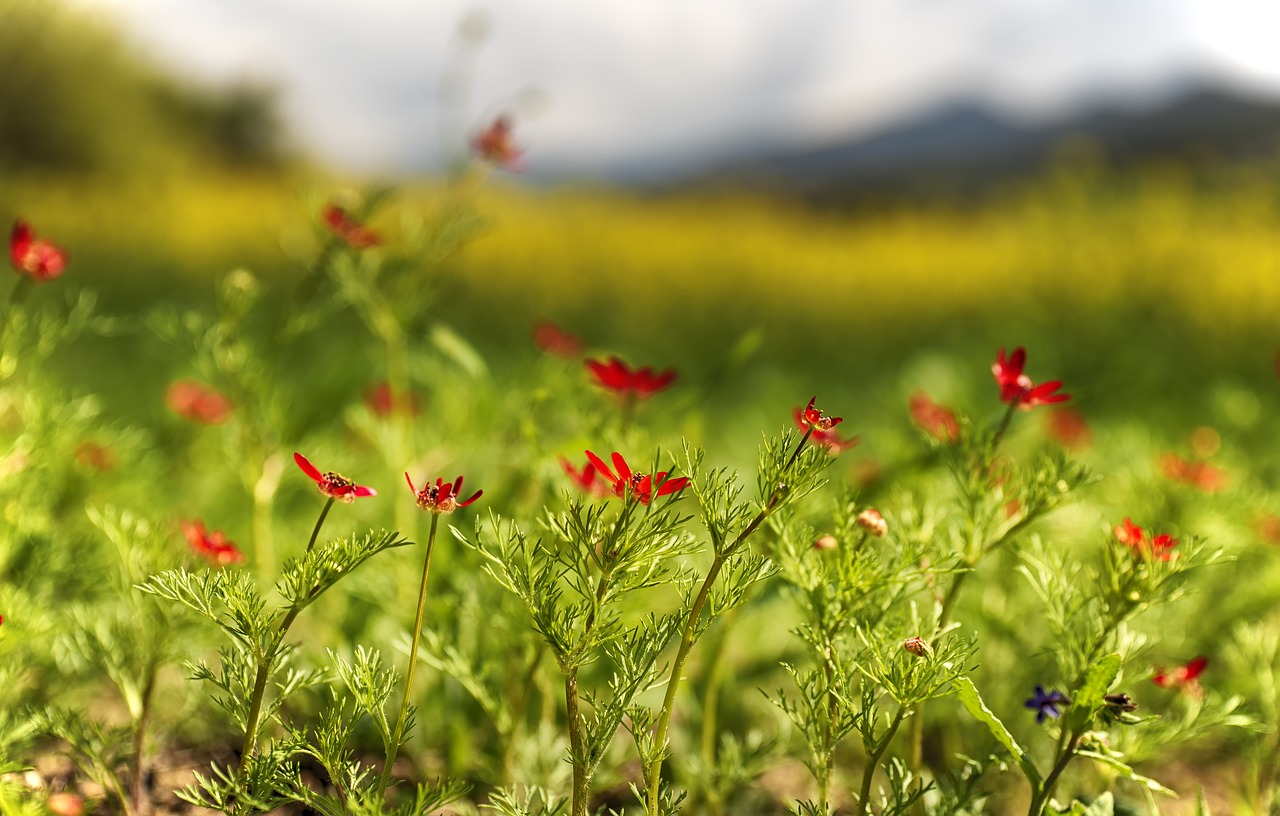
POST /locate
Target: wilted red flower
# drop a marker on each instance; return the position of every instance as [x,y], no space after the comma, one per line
[822,435]
[1068,427]
[917,646]
[640,486]
[620,378]
[333,485]
[556,341]
[34,258]
[1182,677]
[1017,388]
[344,225]
[95,456]
[933,418]
[381,402]
[496,145]
[1201,475]
[1134,536]
[213,547]
[197,402]
[441,497]
[585,479]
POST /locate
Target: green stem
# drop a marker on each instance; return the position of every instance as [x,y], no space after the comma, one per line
[1066,752]
[710,709]
[398,733]
[577,750]
[828,730]
[1004,425]
[915,736]
[688,636]
[873,761]
[315,533]
[137,761]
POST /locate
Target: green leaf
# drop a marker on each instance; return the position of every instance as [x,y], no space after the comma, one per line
[1128,773]
[969,697]
[1090,697]
[451,345]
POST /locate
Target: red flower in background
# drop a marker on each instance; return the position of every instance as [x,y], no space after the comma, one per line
[620,378]
[1268,528]
[933,418]
[197,402]
[342,224]
[1017,388]
[496,144]
[382,403]
[1068,427]
[1201,475]
[213,547]
[639,485]
[95,456]
[585,479]
[1182,677]
[1158,547]
[555,341]
[34,258]
[333,485]
[441,497]
[822,434]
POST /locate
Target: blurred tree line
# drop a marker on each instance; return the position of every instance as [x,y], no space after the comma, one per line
[74,100]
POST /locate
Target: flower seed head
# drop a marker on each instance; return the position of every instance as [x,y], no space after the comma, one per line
[874,523]
[826,542]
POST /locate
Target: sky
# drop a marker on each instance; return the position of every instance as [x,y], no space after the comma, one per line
[627,87]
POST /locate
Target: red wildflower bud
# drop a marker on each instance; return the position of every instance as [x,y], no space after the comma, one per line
[37,259]
[496,144]
[441,497]
[344,225]
[874,523]
[64,804]
[917,646]
[1158,547]
[555,341]
[331,484]
[215,548]
[826,542]
[197,402]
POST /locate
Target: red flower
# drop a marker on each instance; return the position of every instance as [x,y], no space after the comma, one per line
[342,224]
[640,486]
[620,378]
[1068,427]
[333,485]
[556,341]
[828,438]
[381,403]
[441,497]
[1182,677]
[1017,388]
[933,418]
[1201,475]
[1268,528]
[94,456]
[197,402]
[37,259]
[585,478]
[215,548]
[1134,536]
[495,144]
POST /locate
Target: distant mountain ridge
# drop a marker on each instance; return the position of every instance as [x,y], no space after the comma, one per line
[965,147]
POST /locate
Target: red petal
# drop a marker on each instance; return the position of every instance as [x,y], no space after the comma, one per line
[474,496]
[624,472]
[308,468]
[1193,669]
[600,466]
[410,481]
[19,242]
[361,492]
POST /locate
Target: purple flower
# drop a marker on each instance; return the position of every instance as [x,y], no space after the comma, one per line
[1047,705]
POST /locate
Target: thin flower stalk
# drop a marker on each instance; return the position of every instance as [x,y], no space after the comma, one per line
[654,775]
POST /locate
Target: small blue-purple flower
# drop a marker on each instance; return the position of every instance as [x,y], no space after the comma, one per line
[1047,705]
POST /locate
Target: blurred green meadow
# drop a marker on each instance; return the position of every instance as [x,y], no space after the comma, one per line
[1151,292]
